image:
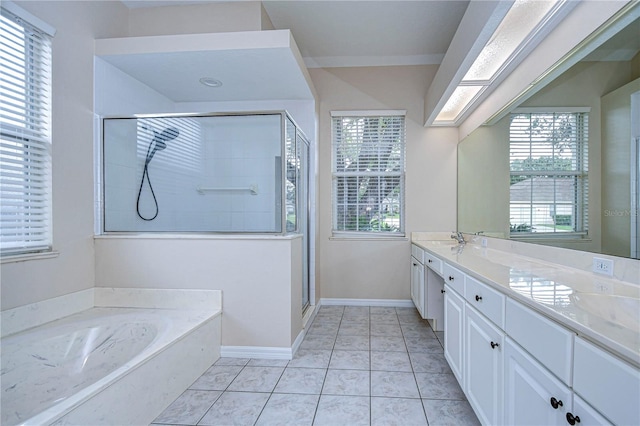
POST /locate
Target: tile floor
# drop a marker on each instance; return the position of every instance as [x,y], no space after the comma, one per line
[356,366]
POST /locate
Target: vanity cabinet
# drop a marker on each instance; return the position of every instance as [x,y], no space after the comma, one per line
[427,286]
[607,383]
[417,285]
[484,366]
[584,414]
[533,396]
[547,341]
[518,366]
[454,314]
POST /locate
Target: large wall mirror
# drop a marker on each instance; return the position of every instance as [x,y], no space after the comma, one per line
[563,167]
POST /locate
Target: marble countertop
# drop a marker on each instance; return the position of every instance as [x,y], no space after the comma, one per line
[602,309]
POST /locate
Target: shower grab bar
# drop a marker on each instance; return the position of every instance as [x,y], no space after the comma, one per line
[202,189]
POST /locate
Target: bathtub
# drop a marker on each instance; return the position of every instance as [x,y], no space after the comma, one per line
[105,365]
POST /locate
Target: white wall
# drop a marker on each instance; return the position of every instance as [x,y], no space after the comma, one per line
[119,94]
[616,171]
[374,269]
[260,279]
[198,18]
[77,24]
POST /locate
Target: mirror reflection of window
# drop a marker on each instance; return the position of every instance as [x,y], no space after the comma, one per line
[548,173]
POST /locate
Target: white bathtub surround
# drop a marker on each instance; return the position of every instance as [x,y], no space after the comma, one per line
[76,369]
[35,314]
[158,298]
[559,284]
[259,275]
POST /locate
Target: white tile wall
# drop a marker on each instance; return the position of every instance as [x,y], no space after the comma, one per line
[220,152]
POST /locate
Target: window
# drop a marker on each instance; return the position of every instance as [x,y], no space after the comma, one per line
[549,176]
[368,172]
[25,137]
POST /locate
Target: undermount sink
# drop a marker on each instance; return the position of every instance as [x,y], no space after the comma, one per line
[621,310]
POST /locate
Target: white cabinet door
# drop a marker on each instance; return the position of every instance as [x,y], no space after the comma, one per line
[533,396]
[484,345]
[417,285]
[585,415]
[454,312]
[607,383]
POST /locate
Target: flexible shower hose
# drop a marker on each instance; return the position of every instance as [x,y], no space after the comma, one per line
[145,173]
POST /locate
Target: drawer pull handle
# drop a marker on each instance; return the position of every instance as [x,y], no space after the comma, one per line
[478,298]
[494,345]
[442,291]
[451,278]
[572,420]
[555,403]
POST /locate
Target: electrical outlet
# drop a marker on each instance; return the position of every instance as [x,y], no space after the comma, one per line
[484,242]
[602,287]
[603,266]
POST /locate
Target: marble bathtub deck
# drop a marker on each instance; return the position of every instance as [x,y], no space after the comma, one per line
[356,366]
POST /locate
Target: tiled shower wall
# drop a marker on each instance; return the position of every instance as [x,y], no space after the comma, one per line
[229,153]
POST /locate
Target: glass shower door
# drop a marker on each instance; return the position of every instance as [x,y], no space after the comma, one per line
[297,196]
[303,213]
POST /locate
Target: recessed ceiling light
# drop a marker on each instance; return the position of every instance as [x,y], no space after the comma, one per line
[210,82]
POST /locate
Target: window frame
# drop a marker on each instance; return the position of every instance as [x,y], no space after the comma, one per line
[580,174]
[25,130]
[336,231]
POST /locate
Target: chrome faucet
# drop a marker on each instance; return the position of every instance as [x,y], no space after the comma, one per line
[458,237]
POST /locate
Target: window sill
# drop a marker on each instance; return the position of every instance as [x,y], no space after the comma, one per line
[352,237]
[29,256]
[552,239]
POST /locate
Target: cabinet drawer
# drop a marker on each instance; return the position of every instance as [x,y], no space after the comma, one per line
[454,278]
[433,263]
[486,300]
[550,343]
[417,252]
[607,383]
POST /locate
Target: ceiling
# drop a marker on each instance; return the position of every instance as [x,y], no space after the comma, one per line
[359,32]
[254,65]
[327,33]
[368,33]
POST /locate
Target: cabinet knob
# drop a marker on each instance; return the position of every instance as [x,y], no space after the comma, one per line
[442,291]
[415,264]
[495,345]
[478,298]
[555,403]
[572,420]
[430,261]
[451,278]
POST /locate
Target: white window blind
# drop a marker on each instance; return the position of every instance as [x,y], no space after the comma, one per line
[25,137]
[368,167]
[549,174]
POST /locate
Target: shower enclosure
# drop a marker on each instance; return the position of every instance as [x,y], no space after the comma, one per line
[231,173]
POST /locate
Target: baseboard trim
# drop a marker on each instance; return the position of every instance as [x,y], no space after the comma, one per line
[260,352]
[392,303]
